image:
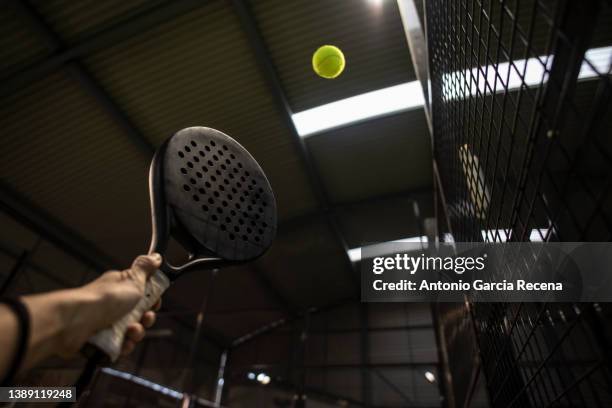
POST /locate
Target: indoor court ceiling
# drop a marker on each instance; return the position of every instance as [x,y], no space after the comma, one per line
[91,88]
[64,152]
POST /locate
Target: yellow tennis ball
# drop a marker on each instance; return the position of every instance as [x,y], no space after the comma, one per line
[328,61]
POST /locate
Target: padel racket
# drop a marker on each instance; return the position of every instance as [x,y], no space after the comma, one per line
[210,195]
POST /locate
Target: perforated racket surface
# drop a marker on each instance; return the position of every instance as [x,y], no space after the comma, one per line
[209,194]
[219,193]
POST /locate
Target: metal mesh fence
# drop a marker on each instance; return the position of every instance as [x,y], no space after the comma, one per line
[522,118]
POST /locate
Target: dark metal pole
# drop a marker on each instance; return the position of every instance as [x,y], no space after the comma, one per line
[394,387]
[300,394]
[33,266]
[21,262]
[221,377]
[285,321]
[188,379]
[417,44]
[366,379]
[14,271]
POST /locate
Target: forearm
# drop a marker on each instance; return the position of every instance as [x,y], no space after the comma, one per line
[50,323]
[57,322]
[61,322]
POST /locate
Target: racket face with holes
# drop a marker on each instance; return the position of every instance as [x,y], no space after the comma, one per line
[216,195]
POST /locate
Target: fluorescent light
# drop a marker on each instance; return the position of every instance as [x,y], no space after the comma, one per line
[536,234]
[357,108]
[501,235]
[455,85]
[386,248]
[600,58]
[383,248]
[483,80]
[143,382]
[354,254]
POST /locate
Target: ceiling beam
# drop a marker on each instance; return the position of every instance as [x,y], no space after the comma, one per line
[299,220]
[417,45]
[268,70]
[342,366]
[423,326]
[393,386]
[396,364]
[283,322]
[29,264]
[53,231]
[364,351]
[37,23]
[135,23]
[272,326]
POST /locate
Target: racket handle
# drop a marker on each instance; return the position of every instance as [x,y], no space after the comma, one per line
[110,340]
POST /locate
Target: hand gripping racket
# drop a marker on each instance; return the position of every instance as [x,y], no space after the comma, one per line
[210,195]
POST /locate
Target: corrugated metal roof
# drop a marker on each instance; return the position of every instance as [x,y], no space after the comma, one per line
[74,19]
[18,45]
[380,156]
[370,35]
[199,70]
[63,152]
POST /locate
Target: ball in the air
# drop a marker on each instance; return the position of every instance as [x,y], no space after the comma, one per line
[328,61]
